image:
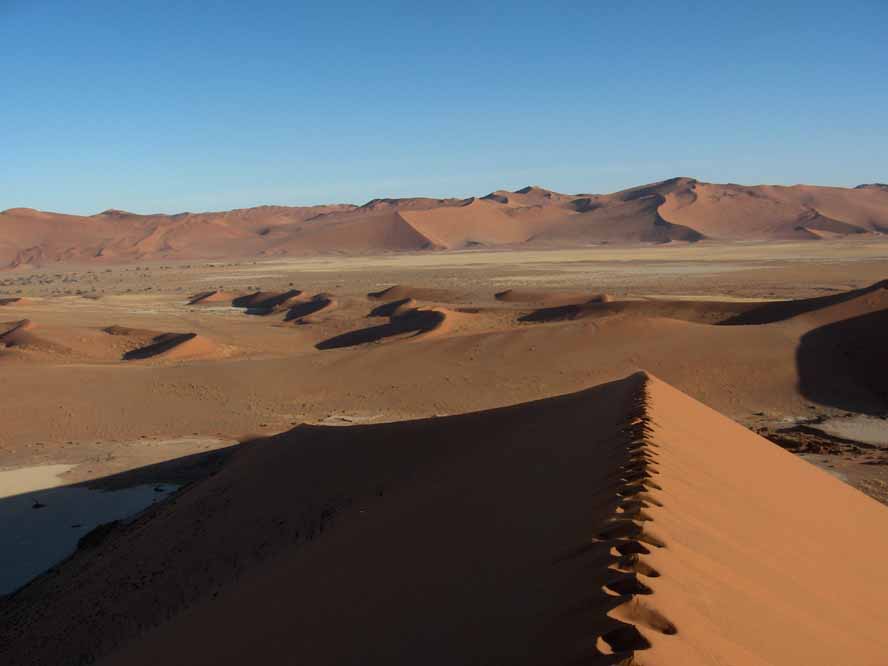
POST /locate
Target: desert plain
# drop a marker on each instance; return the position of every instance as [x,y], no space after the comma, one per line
[656,451]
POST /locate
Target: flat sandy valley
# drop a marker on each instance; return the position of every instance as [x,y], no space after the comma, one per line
[148,377]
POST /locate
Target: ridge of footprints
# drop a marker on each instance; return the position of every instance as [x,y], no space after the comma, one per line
[629,538]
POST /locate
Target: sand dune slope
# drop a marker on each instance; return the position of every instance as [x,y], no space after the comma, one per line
[268,301]
[820,310]
[708,312]
[206,297]
[551,298]
[843,361]
[804,313]
[12,331]
[314,306]
[754,562]
[404,323]
[176,346]
[626,521]
[766,211]
[402,291]
[20,335]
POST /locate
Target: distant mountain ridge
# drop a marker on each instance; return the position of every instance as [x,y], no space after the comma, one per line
[675,210]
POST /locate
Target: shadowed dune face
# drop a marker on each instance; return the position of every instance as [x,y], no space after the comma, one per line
[551,298]
[403,292]
[557,313]
[21,335]
[410,323]
[161,344]
[11,332]
[705,312]
[358,479]
[730,313]
[316,305]
[845,364]
[212,297]
[141,344]
[391,308]
[576,529]
[175,346]
[267,302]
[129,332]
[767,313]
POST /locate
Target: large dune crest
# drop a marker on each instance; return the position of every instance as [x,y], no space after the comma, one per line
[624,524]
[678,209]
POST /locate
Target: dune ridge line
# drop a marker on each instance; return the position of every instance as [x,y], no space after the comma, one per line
[629,538]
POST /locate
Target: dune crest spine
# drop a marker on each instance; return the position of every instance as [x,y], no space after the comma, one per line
[629,537]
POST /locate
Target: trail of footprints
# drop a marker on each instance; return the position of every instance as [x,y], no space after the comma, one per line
[630,537]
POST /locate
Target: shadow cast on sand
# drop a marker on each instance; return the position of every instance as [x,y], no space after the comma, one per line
[160,345]
[702,312]
[265,303]
[845,364]
[719,313]
[410,324]
[486,517]
[315,305]
[389,309]
[559,313]
[768,313]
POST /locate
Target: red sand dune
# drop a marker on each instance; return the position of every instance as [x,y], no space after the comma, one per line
[132,339]
[820,310]
[392,308]
[13,330]
[126,331]
[20,335]
[679,209]
[404,323]
[316,305]
[173,346]
[403,291]
[267,302]
[206,297]
[551,297]
[709,312]
[625,521]
[799,212]
[112,343]
[144,344]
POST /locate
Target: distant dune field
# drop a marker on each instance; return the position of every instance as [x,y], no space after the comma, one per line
[676,210]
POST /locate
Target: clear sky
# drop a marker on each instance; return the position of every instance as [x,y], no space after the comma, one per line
[156,106]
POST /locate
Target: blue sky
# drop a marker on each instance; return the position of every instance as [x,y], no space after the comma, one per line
[170,106]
